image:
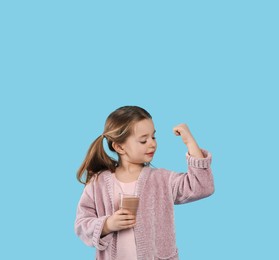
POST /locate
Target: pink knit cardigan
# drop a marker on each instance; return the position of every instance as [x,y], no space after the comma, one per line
[159,190]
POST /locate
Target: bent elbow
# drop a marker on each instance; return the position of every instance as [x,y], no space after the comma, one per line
[210,189]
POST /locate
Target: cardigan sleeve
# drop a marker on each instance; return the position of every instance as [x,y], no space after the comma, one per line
[197,183]
[88,226]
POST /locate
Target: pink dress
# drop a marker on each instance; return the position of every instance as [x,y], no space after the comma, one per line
[126,244]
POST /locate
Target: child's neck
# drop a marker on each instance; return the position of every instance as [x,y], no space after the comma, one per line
[128,173]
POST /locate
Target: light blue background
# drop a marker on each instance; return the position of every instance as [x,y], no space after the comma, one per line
[65,65]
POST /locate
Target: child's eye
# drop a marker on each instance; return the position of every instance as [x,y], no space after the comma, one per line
[143,142]
[153,137]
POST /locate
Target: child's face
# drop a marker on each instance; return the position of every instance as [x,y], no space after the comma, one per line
[140,147]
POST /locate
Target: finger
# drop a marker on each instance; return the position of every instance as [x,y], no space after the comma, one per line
[127,217]
[127,223]
[122,212]
[125,212]
[129,226]
[176,132]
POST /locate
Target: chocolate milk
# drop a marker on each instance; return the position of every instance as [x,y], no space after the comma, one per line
[129,202]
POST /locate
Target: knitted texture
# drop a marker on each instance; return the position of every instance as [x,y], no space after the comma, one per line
[159,190]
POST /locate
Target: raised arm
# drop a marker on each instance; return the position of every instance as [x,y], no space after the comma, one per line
[198,182]
[188,139]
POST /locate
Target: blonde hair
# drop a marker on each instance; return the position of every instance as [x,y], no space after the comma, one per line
[118,127]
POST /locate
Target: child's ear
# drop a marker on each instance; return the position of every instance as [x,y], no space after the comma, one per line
[118,148]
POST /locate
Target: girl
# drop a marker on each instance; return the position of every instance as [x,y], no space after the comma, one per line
[150,233]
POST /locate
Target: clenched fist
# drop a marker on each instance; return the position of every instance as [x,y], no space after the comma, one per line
[188,139]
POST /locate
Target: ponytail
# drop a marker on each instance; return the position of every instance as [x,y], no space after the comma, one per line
[95,162]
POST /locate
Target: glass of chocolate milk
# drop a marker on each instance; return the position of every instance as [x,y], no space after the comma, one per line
[129,202]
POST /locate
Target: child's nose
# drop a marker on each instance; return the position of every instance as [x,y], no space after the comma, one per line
[153,143]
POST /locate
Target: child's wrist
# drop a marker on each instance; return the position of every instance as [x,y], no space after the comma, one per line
[105,230]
